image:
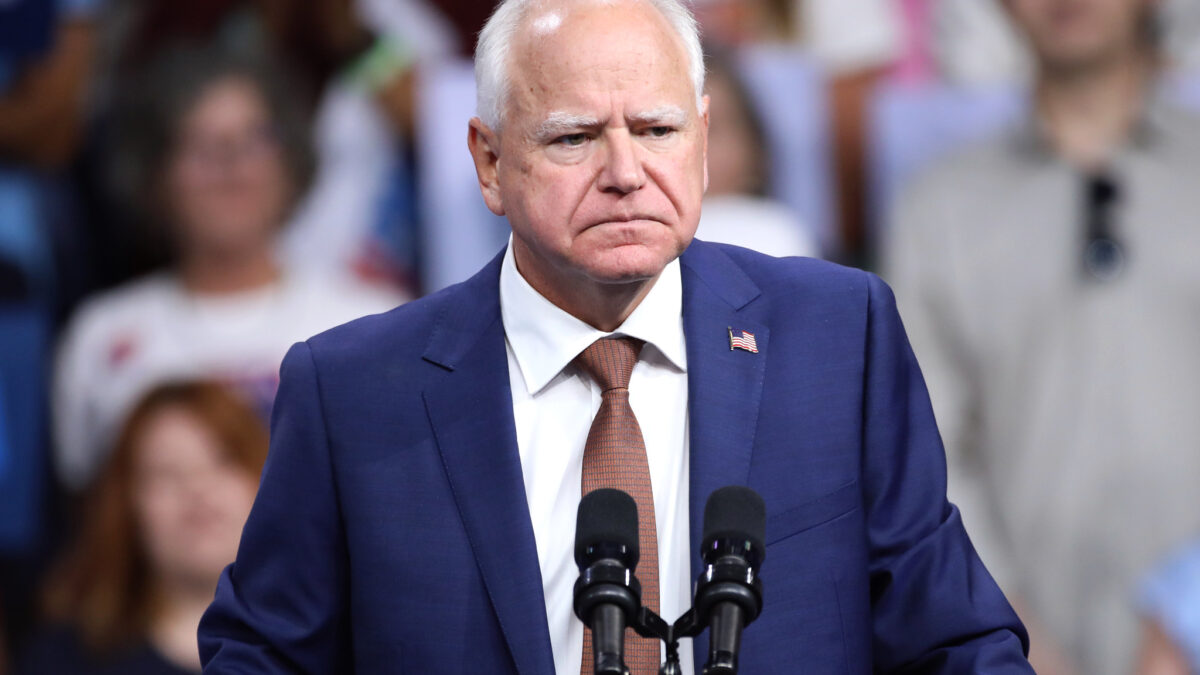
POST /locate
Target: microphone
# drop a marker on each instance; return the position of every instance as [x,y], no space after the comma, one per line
[607,595]
[729,592]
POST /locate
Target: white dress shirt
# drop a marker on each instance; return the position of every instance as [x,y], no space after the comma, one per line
[553,407]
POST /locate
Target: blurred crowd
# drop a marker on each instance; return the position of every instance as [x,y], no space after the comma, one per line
[189,187]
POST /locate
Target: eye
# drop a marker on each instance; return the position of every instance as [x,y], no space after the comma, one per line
[572,140]
[660,132]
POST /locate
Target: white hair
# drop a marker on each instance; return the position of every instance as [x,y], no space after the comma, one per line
[492,77]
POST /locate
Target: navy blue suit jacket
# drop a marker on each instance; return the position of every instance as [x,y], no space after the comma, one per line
[391,532]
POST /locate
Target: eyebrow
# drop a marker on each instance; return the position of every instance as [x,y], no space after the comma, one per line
[558,123]
[667,115]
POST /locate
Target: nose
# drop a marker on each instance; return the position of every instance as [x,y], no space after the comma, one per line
[623,172]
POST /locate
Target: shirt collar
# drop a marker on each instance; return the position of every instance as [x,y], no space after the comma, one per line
[545,339]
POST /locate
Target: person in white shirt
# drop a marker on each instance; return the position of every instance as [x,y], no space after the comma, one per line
[220,160]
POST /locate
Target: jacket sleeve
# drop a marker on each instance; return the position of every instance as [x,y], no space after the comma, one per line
[281,606]
[936,609]
[925,266]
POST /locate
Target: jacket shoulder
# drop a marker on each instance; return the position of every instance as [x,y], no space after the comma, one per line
[798,278]
[405,331]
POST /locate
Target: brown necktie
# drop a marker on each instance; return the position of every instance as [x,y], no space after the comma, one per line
[615,457]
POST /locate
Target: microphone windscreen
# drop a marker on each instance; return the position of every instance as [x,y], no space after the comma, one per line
[735,512]
[607,518]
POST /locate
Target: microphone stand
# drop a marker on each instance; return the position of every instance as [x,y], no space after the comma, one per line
[741,590]
[727,595]
[650,625]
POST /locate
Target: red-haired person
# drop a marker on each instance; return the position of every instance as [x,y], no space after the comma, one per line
[162,521]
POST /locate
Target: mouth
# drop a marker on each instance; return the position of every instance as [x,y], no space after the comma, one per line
[628,220]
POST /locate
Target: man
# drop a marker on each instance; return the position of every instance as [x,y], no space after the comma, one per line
[1048,279]
[416,513]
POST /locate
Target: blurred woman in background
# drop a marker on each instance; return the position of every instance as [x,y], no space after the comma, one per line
[160,524]
[736,208]
[214,155]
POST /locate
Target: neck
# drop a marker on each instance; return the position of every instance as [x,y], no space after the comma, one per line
[1089,112]
[173,630]
[218,273]
[603,306]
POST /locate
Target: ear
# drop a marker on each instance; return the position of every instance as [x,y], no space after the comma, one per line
[704,132]
[485,150]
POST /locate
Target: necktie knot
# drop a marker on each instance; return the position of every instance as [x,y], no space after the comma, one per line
[609,361]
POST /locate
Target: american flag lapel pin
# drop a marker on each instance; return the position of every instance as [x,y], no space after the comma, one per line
[743,340]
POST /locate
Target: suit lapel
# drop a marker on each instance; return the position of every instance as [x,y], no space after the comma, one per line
[470,410]
[724,385]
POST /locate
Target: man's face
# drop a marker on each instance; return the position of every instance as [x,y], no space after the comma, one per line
[1074,34]
[601,161]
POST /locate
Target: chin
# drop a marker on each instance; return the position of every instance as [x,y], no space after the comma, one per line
[622,267]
